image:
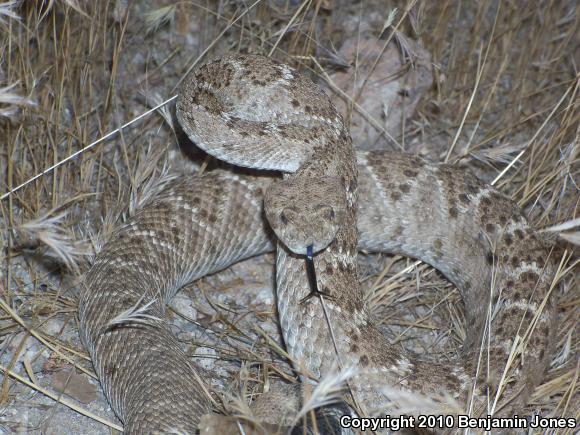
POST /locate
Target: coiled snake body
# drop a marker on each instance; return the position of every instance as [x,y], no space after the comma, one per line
[252,111]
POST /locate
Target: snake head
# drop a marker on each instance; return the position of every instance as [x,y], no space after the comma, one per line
[305,211]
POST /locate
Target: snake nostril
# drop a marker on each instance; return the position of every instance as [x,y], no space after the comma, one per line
[283,218]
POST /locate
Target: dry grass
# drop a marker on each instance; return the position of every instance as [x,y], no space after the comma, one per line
[504,103]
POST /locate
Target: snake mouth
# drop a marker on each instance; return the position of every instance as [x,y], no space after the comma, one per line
[298,247]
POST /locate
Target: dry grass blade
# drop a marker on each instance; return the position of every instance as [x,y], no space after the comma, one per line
[148,180]
[50,230]
[479,75]
[573,237]
[59,399]
[7,10]
[501,153]
[85,149]
[329,390]
[10,98]
[137,314]
[304,4]
[157,18]
[390,19]
[215,41]
[40,338]
[536,134]
[413,403]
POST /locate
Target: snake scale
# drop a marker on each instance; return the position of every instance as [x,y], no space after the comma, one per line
[252,111]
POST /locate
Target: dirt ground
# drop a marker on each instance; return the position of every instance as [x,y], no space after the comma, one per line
[491,86]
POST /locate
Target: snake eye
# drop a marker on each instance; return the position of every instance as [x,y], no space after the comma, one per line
[283,218]
[326,212]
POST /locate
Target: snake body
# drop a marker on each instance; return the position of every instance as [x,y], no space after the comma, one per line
[252,111]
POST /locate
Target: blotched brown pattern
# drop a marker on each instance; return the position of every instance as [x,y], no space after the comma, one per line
[250,110]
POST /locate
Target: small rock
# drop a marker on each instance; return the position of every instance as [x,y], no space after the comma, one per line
[74,385]
[390,93]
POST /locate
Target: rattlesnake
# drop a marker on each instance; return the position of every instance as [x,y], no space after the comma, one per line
[253,111]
